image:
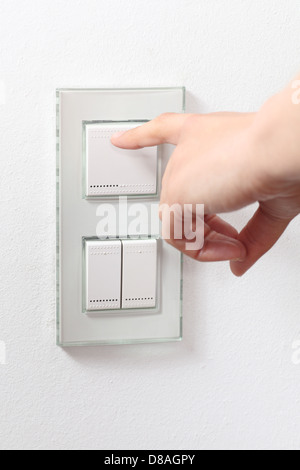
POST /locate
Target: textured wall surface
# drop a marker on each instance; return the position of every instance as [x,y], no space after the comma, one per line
[232,382]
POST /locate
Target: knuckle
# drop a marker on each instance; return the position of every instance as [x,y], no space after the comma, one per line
[191,123]
[160,124]
[164,117]
[192,120]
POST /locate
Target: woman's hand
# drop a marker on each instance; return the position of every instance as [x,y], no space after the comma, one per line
[227,161]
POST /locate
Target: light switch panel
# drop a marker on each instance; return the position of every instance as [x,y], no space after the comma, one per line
[103,275]
[118,282]
[139,279]
[111,171]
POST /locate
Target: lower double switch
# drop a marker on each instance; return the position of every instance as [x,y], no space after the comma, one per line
[121,274]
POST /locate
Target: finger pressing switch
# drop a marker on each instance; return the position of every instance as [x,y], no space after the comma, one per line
[111,171]
[139,279]
[103,275]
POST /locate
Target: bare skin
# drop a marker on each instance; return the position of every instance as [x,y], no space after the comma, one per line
[227,161]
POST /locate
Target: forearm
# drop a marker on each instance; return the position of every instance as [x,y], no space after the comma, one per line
[276,129]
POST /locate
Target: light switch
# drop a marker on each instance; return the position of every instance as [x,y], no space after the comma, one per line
[103,275]
[139,289]
[118,282]
[111,171]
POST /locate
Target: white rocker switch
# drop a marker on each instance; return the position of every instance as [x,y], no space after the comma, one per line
[111,171]
[139,279]
[103,275]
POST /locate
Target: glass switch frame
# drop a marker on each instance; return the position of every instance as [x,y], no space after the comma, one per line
[77,220]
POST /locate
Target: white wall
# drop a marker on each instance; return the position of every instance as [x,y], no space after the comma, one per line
[232,382]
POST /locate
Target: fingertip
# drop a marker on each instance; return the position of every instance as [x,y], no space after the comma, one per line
[242,255]
[118,134]
[238,267]
[116,138]
[221,250]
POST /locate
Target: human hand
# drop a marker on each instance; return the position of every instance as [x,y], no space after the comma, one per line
[227,161]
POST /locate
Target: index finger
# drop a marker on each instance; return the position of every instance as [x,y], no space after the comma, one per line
[163,129]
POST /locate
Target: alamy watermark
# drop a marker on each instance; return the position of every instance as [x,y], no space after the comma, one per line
[296,353]
[185,223]
[2,93]
[296,94]
[2,353]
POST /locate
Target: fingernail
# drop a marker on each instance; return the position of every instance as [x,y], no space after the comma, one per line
[242,251]
[117,135]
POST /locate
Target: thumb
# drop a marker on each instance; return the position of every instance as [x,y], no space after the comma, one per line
[258,237]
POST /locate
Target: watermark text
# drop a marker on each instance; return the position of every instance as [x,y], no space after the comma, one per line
[2,93]
[296,353]
[185,223]
[2,353]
